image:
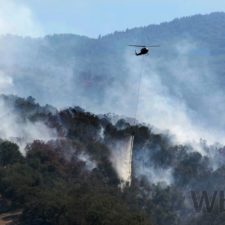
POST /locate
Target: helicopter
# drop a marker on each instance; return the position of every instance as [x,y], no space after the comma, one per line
[144,49]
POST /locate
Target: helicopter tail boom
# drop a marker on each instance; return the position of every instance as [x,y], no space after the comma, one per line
[137,54]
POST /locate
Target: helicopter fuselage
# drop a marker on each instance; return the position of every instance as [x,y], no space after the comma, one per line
[143,51]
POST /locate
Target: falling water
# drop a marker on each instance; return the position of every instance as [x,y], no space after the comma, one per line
[122,159]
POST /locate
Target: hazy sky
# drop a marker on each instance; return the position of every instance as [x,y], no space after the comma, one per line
[94,17]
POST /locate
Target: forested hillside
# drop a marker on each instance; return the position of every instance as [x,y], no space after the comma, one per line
[71,179]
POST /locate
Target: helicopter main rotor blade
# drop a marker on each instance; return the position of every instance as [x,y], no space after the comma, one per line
[152,46]
[143,46]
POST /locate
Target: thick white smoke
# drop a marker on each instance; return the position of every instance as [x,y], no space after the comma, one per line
[180,96]
[20,131]
[179,93]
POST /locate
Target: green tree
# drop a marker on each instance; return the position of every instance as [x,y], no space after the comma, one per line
[9,154]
